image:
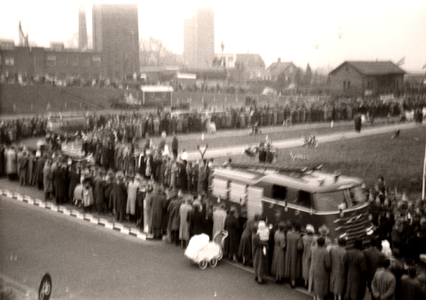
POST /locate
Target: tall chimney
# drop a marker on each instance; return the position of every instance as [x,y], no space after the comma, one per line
[82,28]
[279,59]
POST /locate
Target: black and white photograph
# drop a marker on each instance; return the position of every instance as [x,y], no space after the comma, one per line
[201,149]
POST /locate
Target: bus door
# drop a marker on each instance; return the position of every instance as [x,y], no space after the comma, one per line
[254,201]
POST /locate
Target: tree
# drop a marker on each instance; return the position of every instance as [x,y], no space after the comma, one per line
[307,80]
[282,81]
[154,53]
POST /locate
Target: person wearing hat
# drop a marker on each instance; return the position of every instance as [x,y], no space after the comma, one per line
[373,258]
[278,256]
[355,280]
[320,266]
[307,241]
[292,254]
[324,231]
[338,269]
[184,210]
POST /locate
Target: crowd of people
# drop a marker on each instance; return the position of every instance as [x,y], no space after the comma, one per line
[123,174]
[138,124]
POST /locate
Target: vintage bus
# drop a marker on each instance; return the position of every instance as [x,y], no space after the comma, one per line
[309,196]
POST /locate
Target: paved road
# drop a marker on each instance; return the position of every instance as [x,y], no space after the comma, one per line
[90,262]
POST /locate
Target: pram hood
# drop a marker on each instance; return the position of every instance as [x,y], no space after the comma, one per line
[196,244]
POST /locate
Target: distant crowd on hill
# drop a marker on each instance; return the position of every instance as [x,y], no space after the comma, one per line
[130,125]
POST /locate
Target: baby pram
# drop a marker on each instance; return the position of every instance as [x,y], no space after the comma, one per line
[203,252]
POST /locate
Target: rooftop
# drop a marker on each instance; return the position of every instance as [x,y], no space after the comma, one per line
[373,67]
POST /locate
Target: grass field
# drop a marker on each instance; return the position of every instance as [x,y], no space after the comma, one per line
[399,160]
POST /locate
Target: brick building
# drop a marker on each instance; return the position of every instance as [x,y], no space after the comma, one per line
[54,62]
[367,79]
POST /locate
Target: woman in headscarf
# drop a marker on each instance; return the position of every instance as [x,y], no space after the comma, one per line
[307,240]
[245,249]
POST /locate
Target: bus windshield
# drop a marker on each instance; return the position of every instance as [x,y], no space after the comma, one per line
[332,200]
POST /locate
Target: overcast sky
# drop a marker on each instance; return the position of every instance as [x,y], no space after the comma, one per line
[323,33]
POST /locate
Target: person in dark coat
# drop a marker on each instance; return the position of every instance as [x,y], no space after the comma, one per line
[38,173]
[293,259]
[119,191]
[23,168]
[338,269]
[411,287]
[320,267]
[157,213]
[74,177]
[196,220]
[174,219]
[232,225]
[60,181]
[384,283]
[245,252]
[355,280]
[98,191]
[175,146]
[358,122]
[373,258]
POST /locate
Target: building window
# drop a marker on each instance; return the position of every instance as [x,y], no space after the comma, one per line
[279,192]
[304,199]
[346,85]
[51,60]
[9,61]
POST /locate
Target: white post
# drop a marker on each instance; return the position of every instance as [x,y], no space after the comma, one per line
[424,177]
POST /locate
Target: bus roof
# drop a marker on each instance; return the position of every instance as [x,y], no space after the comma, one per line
[313,181]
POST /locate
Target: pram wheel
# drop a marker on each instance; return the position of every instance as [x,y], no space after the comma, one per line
[203,264]
[213,262]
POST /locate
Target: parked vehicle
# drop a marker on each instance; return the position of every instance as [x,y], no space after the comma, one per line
[309,196]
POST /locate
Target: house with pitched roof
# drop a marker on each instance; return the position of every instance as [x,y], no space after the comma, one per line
[287,67]
[367,79]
